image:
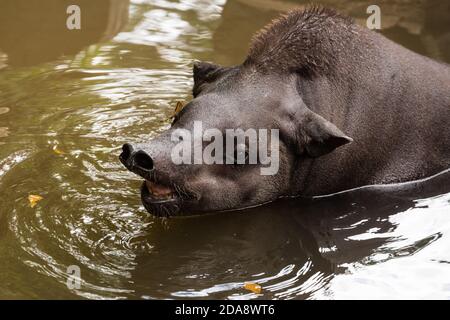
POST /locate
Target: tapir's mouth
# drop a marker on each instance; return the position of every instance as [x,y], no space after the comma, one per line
[164,200]
[160,195]
[160,200]
[159,191]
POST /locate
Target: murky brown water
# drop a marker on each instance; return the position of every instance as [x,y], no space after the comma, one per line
[69,99]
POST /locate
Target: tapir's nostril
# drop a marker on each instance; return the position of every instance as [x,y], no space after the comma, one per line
[139,159]
[127,150]
[143,160]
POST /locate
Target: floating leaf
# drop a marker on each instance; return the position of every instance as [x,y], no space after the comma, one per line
[34,199]
[57,151]
[4,132]
[253,287]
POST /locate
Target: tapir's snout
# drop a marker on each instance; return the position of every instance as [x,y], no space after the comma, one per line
[160,195]
[136,159]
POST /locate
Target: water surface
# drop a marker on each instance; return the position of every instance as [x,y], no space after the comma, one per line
[70,99]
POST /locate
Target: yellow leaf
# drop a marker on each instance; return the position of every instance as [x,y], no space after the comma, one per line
[253,287]
[57,151]
[179,106]
[34,199]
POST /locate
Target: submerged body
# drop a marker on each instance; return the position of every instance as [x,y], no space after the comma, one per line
[323,82]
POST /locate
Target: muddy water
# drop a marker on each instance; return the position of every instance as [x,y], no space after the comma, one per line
[69,99]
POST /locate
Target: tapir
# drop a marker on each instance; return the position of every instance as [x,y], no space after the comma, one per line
[351,108]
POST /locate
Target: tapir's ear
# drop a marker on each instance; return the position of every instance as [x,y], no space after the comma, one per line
[321,135]
[204,72]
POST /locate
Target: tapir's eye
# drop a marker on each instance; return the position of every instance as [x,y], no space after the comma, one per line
[238,156]
[241,154]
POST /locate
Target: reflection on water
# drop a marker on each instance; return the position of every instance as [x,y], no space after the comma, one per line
[34,31]
[117,80]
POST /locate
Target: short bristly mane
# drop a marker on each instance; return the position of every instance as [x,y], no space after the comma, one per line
[307,40]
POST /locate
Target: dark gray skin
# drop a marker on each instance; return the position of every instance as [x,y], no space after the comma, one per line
[352,107]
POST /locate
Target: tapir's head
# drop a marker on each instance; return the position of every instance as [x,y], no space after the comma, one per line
[242,139]
[203,163]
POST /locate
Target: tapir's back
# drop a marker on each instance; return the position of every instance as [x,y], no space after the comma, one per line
[417,97]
